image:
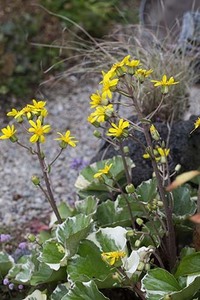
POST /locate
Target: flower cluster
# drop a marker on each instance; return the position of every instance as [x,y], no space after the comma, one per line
[35,115]
[123,77]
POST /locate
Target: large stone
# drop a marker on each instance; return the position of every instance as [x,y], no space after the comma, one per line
[184,149]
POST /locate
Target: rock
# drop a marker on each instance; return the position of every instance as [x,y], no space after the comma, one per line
[184,149]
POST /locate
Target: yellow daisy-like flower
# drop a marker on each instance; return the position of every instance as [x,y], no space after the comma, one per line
[12,113]
[66,139]
[159,153]
[119,68]
[97,100]
[196,124]
[103,171]
[133,63]
[118,130]
[109,85]
[37,105]
[39,130]
[164,83]
[112,257]
[141,74]
[8,133]
[101,113]
[26,111]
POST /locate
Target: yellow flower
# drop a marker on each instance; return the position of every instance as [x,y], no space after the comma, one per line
[97,99]
[164,83]
[101,113]
[141,74]
[37,105]
[26,111]
[112,257]
[103,171]
[9,133]
[119,68]
[159,154]
[12,113]
[109,85]
[163,152]
[196,125]
[39,130]
[66,139]
[118,130]
[133,63]
[154,133]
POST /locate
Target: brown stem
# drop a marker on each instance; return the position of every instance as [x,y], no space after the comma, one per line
[170,235]
[48,185]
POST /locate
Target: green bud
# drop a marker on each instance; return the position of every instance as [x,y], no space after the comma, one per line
[126,150]
[31,238]
[137,243]
[147,267]
[139,221]
[63,144]
[160,204]
[141,266]
[130,188]
[130,233]
[35,180]
[177,168]
[97,134]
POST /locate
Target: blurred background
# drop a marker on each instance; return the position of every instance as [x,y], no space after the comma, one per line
[35,41]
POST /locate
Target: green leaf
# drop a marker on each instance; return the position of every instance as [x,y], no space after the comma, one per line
[36,295]
[116,213]
[188,292]
[87,206]
[45,274]
[88,185]
[109,238]
[158,283]
[189,265]
[72,231]
[184,205]
[81,267]
[84,291]
[60,291]
[52,254]
[6,263]
[22,271]
[147,190]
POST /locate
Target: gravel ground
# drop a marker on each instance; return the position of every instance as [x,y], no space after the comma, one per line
[20,201]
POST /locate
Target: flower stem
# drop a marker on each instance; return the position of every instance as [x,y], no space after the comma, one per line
[48,193]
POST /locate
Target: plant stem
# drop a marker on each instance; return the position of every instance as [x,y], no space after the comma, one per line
[48,185]
[170,235]
[128,177]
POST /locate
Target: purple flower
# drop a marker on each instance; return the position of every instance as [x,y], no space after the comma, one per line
[4,238]
[11,286]
[23,245]
[6,281]
[78,164]
[20,287]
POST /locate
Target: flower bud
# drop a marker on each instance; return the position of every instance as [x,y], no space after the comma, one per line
[35,180]
[97,134]
[154,133]
[147,267]
[31,238]
[130,188]
[126,150]
[130,233]
[160,204]
[141,266]
[177,168]
[139,221]
[137,243]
